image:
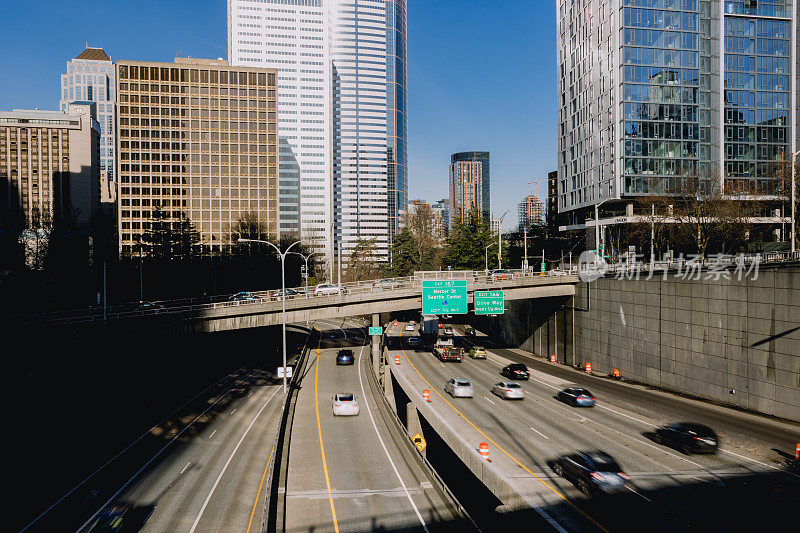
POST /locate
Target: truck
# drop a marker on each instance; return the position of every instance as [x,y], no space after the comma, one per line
[430,326]
[448,353]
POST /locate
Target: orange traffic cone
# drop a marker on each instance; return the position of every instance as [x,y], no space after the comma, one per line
[483,449]
[397,359]
[797,452]
[589,368]
[552,358]
[616,373]
[426,395]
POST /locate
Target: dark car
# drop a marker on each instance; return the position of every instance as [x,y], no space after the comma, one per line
[688,437]
[111,520]
[592,472]
[244,296]
[345,357]
[240,389]
[277,295]
[469,331]
[577,397]
[516,371]
[143,305]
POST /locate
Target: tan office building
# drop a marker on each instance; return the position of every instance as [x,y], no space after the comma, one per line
[196,137]
[49,166]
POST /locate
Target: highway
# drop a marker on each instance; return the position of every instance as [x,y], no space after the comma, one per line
[734,490]
[348,473]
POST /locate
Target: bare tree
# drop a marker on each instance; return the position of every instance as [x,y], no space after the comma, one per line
[427,233]
[362,264]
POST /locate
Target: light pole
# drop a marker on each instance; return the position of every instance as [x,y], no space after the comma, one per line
[305,258]
[597,226]
[283,295]
[794,199]
[487,256]
[499,245]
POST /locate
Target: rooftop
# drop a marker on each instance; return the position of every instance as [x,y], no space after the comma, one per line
[96,54]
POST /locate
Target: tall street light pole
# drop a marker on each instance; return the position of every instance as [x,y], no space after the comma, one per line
[794,199]
[305,258]
[499,245]
[487,256]
[283,295]
[597,227]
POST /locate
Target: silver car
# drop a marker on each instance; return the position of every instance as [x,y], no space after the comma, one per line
[345,404]
[459,388]
[508,390]
[328,288]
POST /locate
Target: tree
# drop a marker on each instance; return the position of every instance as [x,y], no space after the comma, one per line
[404,254]
[426,231]
[465,247]
[361,264]
[170,236]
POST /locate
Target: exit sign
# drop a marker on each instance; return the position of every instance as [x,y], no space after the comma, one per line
[489,302]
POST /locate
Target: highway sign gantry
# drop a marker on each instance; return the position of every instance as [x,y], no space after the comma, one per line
[444,297]
[489,302]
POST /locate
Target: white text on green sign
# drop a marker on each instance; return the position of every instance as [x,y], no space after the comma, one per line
[444,297]
[489,302]
[375,330]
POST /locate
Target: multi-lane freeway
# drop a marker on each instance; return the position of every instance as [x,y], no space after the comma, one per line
[740,487]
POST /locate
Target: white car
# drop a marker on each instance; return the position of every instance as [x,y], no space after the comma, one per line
[409,327]
[345,404]
[328,288]
[508,390]
[459,388]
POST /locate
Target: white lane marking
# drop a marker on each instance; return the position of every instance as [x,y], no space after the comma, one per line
[760,463]
[640,495]
[230,458]
[143,435]
[396,473]
[234,410]
[212,433]
[488,400]
[540,433]
[130,480]
[185,467]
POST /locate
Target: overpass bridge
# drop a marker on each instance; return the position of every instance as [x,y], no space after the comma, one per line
[355,299]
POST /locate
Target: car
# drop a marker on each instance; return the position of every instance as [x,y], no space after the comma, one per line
[111,519]
[329,288]
[240,389]
[143,305]
[440,325]
[345,357]
[412,322]
[508,390]
[592,472]
[577,396]
[688,437]
[244,296]
[413,341]
[277,295]
[469,331]
[500,273]
[459,388]
[515,371]
[345,404]
[409,327]
[384,284]
[477,352]
[449,353]
[448,330]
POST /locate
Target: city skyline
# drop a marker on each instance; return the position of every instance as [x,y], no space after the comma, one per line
[434,97]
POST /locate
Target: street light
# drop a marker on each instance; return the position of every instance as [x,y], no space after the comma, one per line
[597,226]
[499,246]
[283,295]
[487,256]
[305,258]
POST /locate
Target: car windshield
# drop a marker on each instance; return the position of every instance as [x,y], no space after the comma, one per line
[462,383]
[345,397]
[582,392]
[607,466]
[512,386]
[518,367]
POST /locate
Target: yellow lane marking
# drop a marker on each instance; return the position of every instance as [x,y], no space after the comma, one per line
[321,446]
[255,504]
[528,470]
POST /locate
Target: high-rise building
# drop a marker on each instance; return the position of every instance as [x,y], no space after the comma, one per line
[651,92]
[469,184]
[530,211]
[197,138]
[342,118]
[49,166]
[90,78]
[494,225]
[443,206]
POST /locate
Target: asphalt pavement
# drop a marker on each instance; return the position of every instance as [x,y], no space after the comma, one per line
[734,489]
[349,473]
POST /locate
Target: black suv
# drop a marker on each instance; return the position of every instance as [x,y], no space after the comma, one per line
[515,371]
[688,437]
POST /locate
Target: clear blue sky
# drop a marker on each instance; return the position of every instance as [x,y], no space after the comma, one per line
[481,75]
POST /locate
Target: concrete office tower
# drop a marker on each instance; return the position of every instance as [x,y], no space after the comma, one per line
[650,91]
[469,184]
[443,208]
[342,72]
[199,138]
[90,78]
[49,166]
[530,211]
[293,37]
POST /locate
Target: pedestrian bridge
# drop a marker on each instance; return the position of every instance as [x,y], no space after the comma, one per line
[357,299]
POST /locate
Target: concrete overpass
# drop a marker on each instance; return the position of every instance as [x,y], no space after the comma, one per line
[359,299]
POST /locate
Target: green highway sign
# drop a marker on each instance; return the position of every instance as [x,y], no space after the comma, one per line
[489,303]
[444,297]
[375,330]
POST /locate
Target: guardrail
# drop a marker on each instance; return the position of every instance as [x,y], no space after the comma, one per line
[331,294]
[711,262]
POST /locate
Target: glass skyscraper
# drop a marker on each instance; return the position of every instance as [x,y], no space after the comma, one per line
[90,77]
[653,91]
[469,185]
